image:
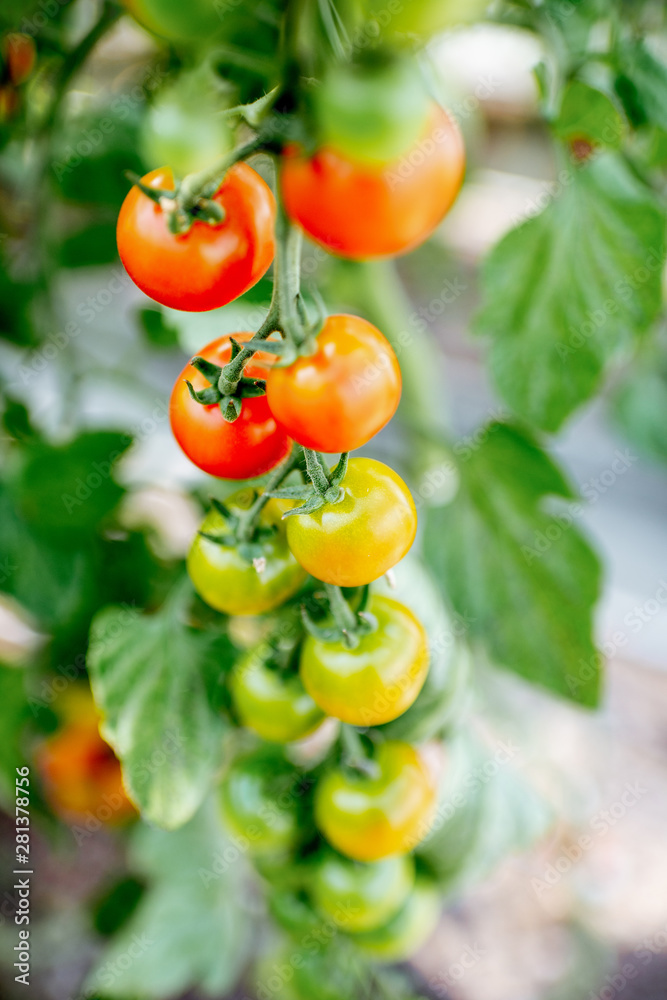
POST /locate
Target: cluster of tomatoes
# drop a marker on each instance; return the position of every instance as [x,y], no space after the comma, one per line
[276,403]
[17,61]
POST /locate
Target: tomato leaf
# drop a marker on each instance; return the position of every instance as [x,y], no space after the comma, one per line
[156,683]
[640,408]
[568,289]
[523,578]
[587,113]
[642,84]
[189,929]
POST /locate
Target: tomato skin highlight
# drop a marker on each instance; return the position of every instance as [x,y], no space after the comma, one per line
[408,930]
[376,681]
[208,266]
[358,211]
[250,446]
[354,542]
[358,897]
[338,398]
[231,584]
[277,707]
[372,817]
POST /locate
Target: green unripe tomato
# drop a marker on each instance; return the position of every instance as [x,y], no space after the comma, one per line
[408,930]
[361,897]
[182,128]
[194,21]
[228,581]
[373,113]
[272,703]
[260,799]
[423,18]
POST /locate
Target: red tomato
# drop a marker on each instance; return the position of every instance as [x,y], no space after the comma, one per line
[336,399]
[251,445]
[20,55]
[208,266]
[361,211]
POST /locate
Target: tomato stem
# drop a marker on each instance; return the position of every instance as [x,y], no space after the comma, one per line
[205,183]
[248,522]
[343,614]
[354,752]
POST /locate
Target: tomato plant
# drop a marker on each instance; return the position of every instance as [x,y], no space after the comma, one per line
[339,397]
[374,815]
[377,680]
[363,211]
[211,263]
[356,540]
[240,583]
[242,449]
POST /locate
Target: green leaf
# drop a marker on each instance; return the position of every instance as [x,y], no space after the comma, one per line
[564,292]
[76,481]
[190,929]
[157,683]
[587,113]
[642,84]
[523,578]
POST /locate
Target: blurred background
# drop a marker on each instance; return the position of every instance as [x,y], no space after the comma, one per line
[564,890]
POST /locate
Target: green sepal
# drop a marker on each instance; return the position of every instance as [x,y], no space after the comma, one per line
[292,493]
[207,397]
[313,503]
[230,407]
[206,368]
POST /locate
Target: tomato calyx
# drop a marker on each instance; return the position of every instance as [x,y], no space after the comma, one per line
[225,392]
[244,530]
[357,752]
[325,487]
[349,625]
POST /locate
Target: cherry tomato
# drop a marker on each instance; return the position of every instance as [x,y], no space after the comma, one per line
[181,126]
[372,112]
[229,582]
[362,211]
[210,265]
[19,51]
[379,679]
[260,799]
[198,20]
[273,704]
[423,18]
[408,930]
[360,897]
[354,542]
[248,447]
[369,817]
[336,399]
[80,772]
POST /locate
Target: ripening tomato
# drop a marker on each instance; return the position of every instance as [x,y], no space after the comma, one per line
[210,265]
[368,817]
[228,581]
[377,680]
[271,702]
[355,541]
[362,211]
[248,447]
[361,897]
[336,399]
[19,52]
[408,930]
[260,797]
[81,773]
[419,19]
